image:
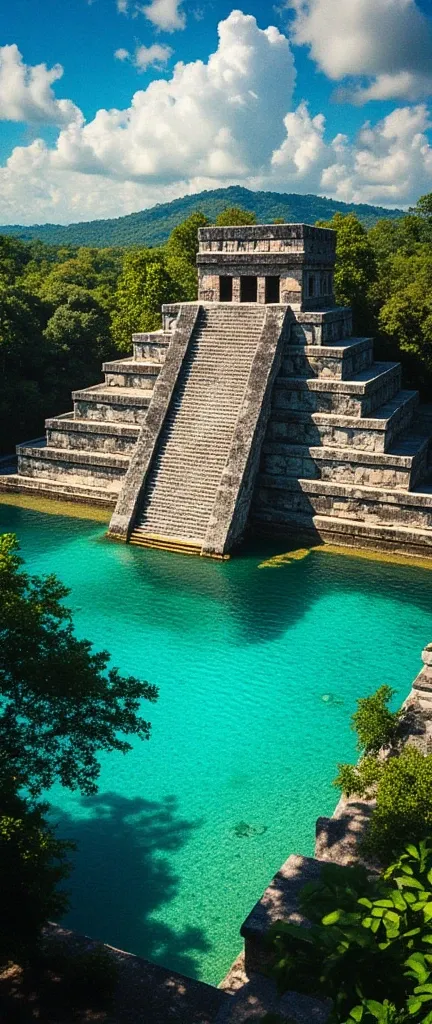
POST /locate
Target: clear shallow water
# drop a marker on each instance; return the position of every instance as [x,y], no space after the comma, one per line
[241,733]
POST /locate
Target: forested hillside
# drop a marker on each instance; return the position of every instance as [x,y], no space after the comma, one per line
[65,309]
[153,227]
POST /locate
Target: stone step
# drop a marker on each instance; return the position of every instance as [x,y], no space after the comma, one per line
[152,540]
[250,997]
[322,328]
[153,346]
[279,902]
[123,405]
[131,373]
[358,397]
[339,361]
[282,502]
[83,465]
[376,433]
[396,538]
[91,435]
[61,490]
[402,467]
[196,437]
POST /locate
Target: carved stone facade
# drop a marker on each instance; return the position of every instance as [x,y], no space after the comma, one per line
[290,264]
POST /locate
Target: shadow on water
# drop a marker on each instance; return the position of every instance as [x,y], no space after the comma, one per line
[121,877]
[265,602]
[262,603]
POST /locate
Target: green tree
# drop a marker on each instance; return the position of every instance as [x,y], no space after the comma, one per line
[79,337]
[60,707]
[181,251]
[33,864]
[405,317]
[356,268]
[234,215]
[183,240]
[94,270]
[423,207]
[23,363]
[60,704]
[144,285]
[14,257]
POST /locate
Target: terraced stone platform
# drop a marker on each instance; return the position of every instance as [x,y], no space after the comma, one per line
[245,412]
[87,451]
[347,454]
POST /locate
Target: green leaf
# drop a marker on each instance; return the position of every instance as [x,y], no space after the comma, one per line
[376,1009]
[399,901]
[414,1005]
[332,918]
[356,1013]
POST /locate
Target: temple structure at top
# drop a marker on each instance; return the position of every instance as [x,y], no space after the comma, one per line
[291,264]
[253,408]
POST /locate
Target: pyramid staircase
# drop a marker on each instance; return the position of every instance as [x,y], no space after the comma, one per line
[198,430]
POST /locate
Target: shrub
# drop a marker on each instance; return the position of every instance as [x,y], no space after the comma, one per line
[376,726]
[404,805]
[402,784]
[368,947]
[32,864]
[360,778]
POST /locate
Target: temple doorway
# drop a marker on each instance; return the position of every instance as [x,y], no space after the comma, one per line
[225,289]
[248,289]
[272,289]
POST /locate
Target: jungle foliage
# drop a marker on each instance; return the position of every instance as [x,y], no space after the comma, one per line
[369,945]
[397,775]
[64,310]
[153,227]
[61,705]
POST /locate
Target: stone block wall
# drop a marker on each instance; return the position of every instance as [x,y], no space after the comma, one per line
[342,456]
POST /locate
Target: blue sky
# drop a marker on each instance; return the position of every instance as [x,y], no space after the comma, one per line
[326,96]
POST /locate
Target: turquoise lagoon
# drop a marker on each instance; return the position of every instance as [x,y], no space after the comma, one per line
[259,670]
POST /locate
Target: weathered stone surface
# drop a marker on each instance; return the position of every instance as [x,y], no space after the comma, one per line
[279,902]
[337,838]
[300,256]
[341,361]
[231,508]
[251,996]
[139,466]
[207,433]
[145,993]
[347,453]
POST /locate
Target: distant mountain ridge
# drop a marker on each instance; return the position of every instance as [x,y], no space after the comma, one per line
[152,227]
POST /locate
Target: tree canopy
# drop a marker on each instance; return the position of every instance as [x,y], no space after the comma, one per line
[64,310]
[235,215]
[61,705]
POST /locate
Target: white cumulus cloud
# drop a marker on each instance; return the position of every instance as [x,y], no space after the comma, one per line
[166,15]
[209,124]
[154,56]
[222,118]
[387,42]
[26,92]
